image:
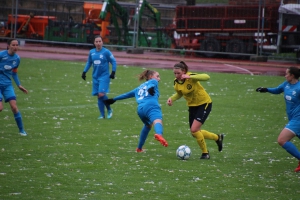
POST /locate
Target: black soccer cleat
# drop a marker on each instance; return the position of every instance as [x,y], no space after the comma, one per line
[205,156]
[220,142]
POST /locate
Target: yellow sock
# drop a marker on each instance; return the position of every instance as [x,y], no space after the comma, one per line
[209,135]
[201,141]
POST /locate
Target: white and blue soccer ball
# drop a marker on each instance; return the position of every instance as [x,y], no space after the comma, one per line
[183,152]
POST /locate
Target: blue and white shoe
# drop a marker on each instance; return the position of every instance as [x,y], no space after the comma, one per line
[23,133]
[100,117]
[109,114]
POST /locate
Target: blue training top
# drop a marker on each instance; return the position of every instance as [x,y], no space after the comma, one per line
[291,97]
[100,61]
[142,97]
[7,64]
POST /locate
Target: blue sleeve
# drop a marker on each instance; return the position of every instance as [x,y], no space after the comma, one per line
[125,95]
[152,83]
[113,61]
[16,78]
[89,63]
[278,89]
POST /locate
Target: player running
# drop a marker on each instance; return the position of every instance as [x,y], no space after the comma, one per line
[148,109]
[9,63]
[188,85]
[291,90]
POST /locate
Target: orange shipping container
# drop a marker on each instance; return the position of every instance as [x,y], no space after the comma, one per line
[29,25]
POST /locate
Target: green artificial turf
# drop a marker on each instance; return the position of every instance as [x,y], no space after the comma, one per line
[69,154]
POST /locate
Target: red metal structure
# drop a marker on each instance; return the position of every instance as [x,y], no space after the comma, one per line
[224,28]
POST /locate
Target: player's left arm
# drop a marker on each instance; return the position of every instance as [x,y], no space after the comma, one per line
[17,81]
[153,87]
[113,62]
[199,77]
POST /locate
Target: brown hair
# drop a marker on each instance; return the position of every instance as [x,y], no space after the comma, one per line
[98,36]
[295,71]
[181,65]
[145,75]
[9,41]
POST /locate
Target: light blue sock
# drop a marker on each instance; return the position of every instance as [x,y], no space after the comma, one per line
[18,118]
[101,106]
[158,128]
[143,136]
[292,149]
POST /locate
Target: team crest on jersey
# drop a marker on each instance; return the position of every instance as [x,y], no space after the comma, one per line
[101,56]
[97,62]
[188,86]
[294,93]
[7,67]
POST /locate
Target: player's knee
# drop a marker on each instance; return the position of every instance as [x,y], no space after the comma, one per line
[100,95]
[194,130]
[280,141]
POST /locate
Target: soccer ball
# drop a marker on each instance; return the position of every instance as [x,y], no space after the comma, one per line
[183,152]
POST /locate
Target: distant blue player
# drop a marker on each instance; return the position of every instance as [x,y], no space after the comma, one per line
[9,63]
[291,90]
[100,58]
[148,109]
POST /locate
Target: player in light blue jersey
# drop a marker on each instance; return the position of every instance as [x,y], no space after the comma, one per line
[291,90]
[9,63]
[100,58]
[148,108]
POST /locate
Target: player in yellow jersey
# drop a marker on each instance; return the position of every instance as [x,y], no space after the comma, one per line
[188,85]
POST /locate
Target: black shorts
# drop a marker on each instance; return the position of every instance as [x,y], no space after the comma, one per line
[199,113]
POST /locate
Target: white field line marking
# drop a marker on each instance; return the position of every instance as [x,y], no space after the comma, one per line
[246,70]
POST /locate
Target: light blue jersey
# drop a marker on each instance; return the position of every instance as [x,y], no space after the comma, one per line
[142,97]
[148,106]
[100,61]
[292,101]
[7,64]
[8,69]
[291,97]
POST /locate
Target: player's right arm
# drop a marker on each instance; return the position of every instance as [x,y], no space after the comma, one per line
[88,64]
[278,89]
[120,97]
[173,98]
[125,95]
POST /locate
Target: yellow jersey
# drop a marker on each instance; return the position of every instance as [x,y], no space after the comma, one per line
[191,89]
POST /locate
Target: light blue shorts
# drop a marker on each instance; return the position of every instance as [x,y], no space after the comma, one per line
[294,126]
[8,93]
[100,85]
[149,114]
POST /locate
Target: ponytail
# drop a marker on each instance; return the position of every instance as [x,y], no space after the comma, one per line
[145,75]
